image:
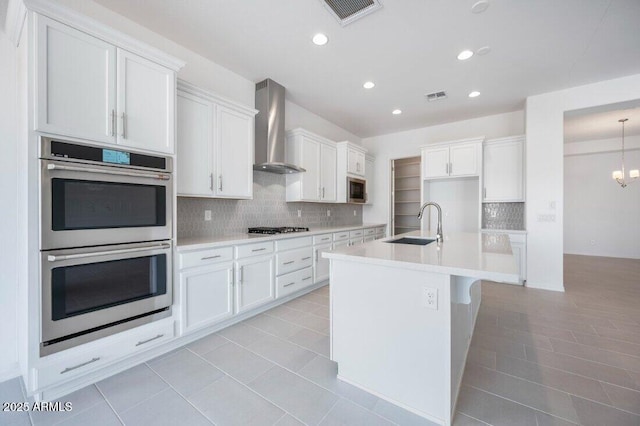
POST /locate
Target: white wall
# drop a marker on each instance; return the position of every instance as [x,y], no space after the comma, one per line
[296,116]
[408,143]
[544,177]
[8,212]
[601,218]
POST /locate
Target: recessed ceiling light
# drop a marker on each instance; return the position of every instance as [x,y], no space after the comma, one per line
[369,85]
[464,55]
[396,112]
[320,39]
[480,6]
[474,94]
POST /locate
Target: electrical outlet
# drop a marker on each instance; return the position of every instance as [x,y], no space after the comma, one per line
[299,212]
[355,213]
[592,242]
[207,215]
[431,298]
[328,213]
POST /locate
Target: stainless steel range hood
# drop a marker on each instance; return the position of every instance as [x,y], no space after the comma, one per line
[270,143]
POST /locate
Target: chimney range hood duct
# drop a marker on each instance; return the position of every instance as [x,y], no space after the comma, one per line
[270,144]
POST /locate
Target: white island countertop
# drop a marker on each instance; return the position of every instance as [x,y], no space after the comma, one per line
[480,255]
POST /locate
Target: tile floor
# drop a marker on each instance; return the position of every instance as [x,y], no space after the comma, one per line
[537,358]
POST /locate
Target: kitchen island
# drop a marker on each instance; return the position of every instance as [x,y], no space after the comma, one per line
[402,315]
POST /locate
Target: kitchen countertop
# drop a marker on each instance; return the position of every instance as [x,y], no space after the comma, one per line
[195,243]
[481,255]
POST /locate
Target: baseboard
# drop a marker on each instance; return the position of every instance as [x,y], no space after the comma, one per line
[545,286]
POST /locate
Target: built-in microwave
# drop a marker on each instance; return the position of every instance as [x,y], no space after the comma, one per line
[93,196]
[356,190]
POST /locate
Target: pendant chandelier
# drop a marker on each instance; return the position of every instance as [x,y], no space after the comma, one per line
[619,175]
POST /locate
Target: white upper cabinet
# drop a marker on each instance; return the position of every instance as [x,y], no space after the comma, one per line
[455,159]
[351,163]
[328,173]
[318,157]
[370,178]
[503,170]
[355,162]
[91,89]
[194,145]
[75,83]
[234,152]
[215,145]
[146,106]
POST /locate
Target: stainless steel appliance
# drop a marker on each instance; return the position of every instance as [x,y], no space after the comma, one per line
[356,190]
[276,230]
[88,293]
[96,196]
[106,249]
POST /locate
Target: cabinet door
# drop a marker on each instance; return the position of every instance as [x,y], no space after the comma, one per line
[328,171]
[311,178]
[234,153]
[464,160]
[206,295]
[503,172]
[355,162]
[320,264]
[75,83]
[517,253]
[254,282]
[435,162]
[194,146]
[146,104]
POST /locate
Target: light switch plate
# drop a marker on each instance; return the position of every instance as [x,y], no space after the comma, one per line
[207,215]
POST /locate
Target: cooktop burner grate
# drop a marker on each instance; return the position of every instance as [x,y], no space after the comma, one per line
[276,230]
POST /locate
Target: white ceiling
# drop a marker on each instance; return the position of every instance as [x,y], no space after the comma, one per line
[408,48]
[602,122]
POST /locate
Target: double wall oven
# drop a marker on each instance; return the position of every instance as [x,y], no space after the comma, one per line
[106,250]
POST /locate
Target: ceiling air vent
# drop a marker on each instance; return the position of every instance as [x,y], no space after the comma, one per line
[347,11]
[436,96]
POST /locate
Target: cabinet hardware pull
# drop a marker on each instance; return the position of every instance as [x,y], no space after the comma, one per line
[211,181]
[75,367]
[220,183]
[323,192]
[260,249]
[124,126]
[287,285]
[306,258]
[288,263]
[142,342]
[450,168]
[326,239]
[308,278]
[484,192]
[113,122]
[211,257]
[446,167]
[240,275]
[317,251]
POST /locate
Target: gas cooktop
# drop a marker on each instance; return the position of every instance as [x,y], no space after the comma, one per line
[276,230]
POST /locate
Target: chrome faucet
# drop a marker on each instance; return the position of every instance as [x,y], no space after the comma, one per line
[437,206]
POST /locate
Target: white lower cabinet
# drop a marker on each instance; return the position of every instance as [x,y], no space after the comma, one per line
[207,295]
[294,281]
[519,249]
[320,264]
[254,282]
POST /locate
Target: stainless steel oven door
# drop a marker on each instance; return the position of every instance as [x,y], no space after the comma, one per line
[89,204]
[356,190]
[84,290]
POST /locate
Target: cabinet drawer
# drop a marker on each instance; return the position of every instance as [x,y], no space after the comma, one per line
[254,249]
[339,244]
[357,233]
[341,236]
[369,238]
[380,230]
[322,239]
[355,241]
[369,231]
[294,281]
[205,257]
[293,243]
[293,260]
[76,365]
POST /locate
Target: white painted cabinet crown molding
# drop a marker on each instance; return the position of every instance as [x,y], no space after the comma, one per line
[452,159]
[215,145]
[503,169]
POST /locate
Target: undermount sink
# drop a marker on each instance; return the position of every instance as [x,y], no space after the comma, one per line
[416,241]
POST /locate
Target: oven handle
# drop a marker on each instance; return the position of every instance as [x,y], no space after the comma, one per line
[107,172]
[52,258]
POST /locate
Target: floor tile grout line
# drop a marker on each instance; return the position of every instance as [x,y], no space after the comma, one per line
[110,406]
[563,391]
[582,375]
[329,410]
[284,320]
[603,349]
[283,339]
[81,411]
[536,410]
[287,369]
[474,418]
[535,334]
